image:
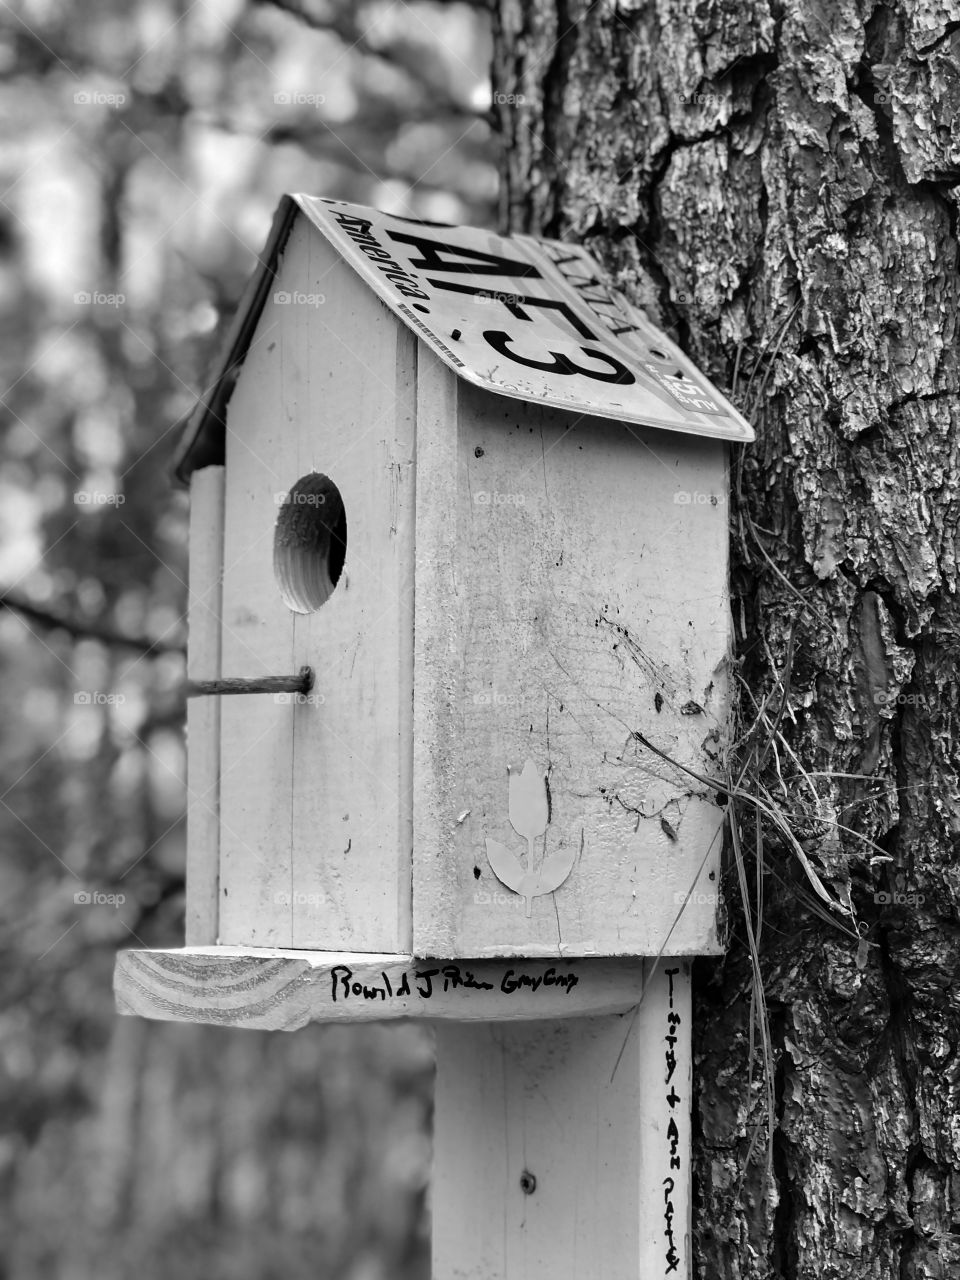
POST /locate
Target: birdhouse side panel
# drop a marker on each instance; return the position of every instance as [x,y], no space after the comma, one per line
[315,842]
[207,491]
[578,596]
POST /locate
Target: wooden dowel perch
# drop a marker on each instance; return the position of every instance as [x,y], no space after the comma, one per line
[300,683]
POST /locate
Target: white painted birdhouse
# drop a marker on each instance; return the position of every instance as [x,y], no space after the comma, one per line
[485,502]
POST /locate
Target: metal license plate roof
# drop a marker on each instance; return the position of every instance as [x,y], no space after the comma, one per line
[527,318]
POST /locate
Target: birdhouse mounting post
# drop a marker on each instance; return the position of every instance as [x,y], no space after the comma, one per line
[459,533]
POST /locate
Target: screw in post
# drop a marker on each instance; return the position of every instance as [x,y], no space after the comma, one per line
[528,1183]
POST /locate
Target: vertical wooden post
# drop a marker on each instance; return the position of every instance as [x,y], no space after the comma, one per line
[203,714]
[562,1148]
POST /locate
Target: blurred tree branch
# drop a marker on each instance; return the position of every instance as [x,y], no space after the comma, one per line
[407,56]
[80,630]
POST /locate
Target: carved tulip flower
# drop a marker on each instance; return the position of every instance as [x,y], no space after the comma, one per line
[529,811]
[528,808]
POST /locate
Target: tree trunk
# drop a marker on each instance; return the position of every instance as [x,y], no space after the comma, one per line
[774,186]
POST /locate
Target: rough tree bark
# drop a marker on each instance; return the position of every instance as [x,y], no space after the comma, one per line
[775,184]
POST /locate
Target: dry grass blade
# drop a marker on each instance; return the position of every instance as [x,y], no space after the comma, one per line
[759,1015]
[663,947]
[769,808]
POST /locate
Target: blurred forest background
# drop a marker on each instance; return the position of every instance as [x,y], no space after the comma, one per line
[146,144]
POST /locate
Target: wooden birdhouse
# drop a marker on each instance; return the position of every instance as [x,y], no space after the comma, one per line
[484,501]
[459,534]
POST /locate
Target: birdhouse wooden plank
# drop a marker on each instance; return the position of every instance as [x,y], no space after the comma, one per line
[207,493]
[324,777]
[459,495]
[578,1145]
[276,990]
[571,601]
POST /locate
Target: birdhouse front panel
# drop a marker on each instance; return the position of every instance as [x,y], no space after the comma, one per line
[315,788]
[511,593]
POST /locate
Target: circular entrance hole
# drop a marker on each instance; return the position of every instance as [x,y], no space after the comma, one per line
[309,543]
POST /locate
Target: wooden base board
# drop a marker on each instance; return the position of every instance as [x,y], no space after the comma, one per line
[283,990]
